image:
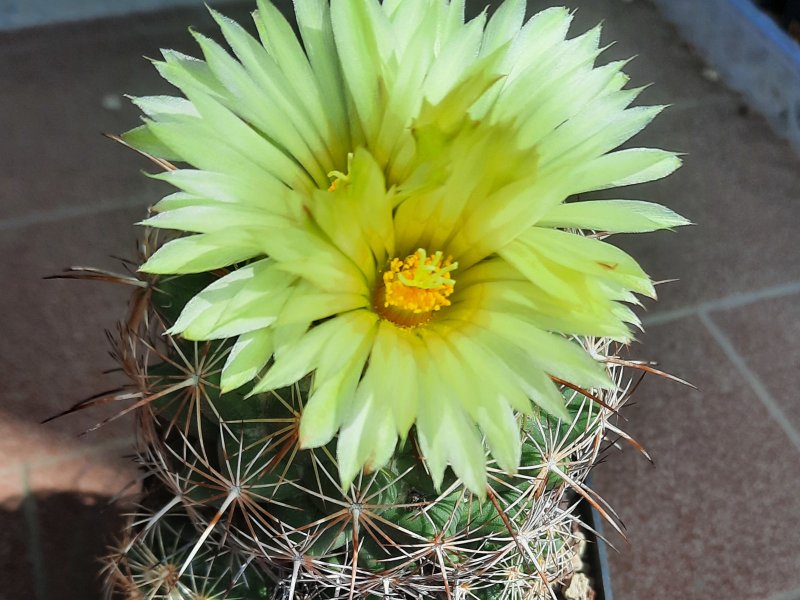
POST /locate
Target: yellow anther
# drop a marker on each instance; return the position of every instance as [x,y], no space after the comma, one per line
[415,287]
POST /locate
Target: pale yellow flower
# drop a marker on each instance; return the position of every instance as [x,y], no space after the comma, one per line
[389,199]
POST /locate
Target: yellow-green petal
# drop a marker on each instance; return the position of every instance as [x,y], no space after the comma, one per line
[203,252]
[247,357]
[615,216]
[247,299]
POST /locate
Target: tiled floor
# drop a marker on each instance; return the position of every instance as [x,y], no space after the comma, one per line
[715,519]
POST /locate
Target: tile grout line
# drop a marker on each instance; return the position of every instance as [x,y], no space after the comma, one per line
[736,300]
[751,378]
[70,212]
[35,554]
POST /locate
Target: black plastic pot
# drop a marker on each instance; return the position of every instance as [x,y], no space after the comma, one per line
[596,552]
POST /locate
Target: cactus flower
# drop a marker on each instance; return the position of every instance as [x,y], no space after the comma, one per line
[390,199]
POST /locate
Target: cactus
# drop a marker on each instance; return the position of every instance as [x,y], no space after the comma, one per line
[234,507]
[378,354]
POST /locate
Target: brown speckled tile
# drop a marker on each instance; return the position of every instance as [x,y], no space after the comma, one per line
[742,197]
[23,440]
[637,31]
[97,474]
[62,87]
[77,530]
[767,335]
[16,570]
[12,487]
[76,522]
[54,346]
[712,519]
[53,116]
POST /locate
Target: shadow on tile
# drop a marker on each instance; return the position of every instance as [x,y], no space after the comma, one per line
[52,544]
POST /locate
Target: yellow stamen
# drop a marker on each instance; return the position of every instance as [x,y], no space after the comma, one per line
[338,176]
[415,288]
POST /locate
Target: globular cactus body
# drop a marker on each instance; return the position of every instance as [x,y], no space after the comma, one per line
[231,493]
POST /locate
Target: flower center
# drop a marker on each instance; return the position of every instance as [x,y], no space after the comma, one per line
[414,288]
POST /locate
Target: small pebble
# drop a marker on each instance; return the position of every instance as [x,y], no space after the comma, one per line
[579,588]
[111,102]
[710,74]
[576,563]
[580,550]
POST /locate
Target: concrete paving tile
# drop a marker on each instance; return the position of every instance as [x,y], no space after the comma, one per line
[98,474]
[76,522]
[712,519]
[63,87]
[24,441]
[77,531]
[54,347]
[12,488]
[739,184]
[767,335]
[16,572]
[636,30]
[53,117]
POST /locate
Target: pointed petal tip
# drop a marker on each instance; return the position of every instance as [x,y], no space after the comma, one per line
[347,477]
[229,386]
[602,49]
[481,493]
[147,267]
